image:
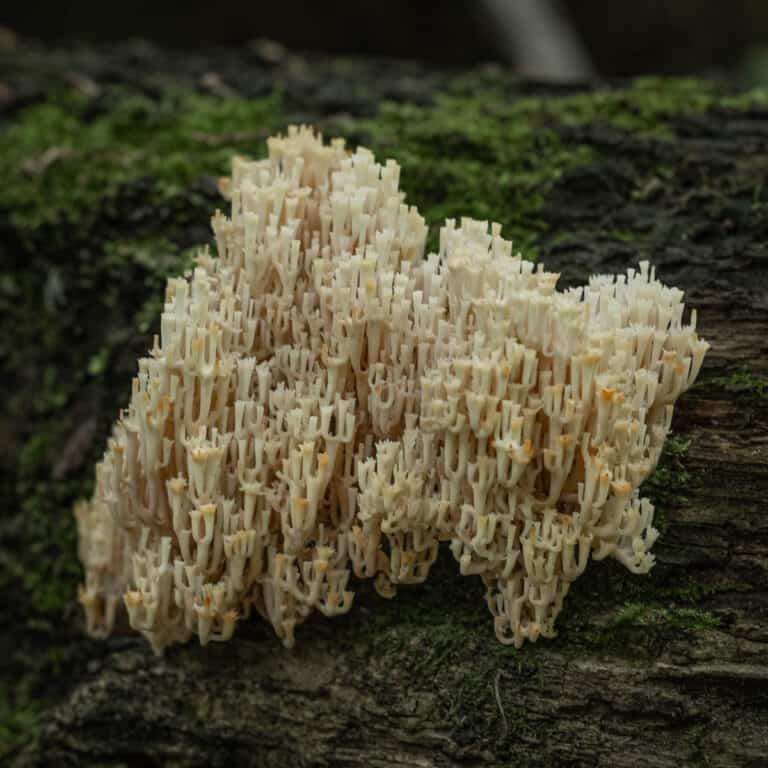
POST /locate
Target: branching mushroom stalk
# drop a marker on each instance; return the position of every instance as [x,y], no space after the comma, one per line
[326,401]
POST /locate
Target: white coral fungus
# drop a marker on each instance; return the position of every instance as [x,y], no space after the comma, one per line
[325,401]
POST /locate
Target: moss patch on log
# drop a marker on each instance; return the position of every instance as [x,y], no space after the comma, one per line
[71,161]
[744,382]
[106,195]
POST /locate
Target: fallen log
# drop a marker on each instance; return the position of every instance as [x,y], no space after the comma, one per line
[112,156]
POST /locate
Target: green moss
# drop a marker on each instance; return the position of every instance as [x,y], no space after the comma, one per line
[646,627]
[39,570]
[754,98]
[654,620]
[64,166]
[645,105]
[609,606]
[640,614]
[744,382]
[19,720]
[645,108]
[622,235]
[649,625]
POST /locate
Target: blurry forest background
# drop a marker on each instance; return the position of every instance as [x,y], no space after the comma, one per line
[561,38]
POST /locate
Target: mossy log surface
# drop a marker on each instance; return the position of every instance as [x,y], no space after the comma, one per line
[109,158]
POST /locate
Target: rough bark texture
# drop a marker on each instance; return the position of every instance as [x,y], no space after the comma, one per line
[667,670]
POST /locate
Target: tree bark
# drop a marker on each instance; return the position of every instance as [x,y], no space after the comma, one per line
[667,670]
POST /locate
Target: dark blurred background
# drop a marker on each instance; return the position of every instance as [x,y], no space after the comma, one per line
[547,38]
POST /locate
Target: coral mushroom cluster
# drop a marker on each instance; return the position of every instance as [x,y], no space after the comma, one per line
[325,401]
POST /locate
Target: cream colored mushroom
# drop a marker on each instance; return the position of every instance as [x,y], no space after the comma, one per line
[326,401]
